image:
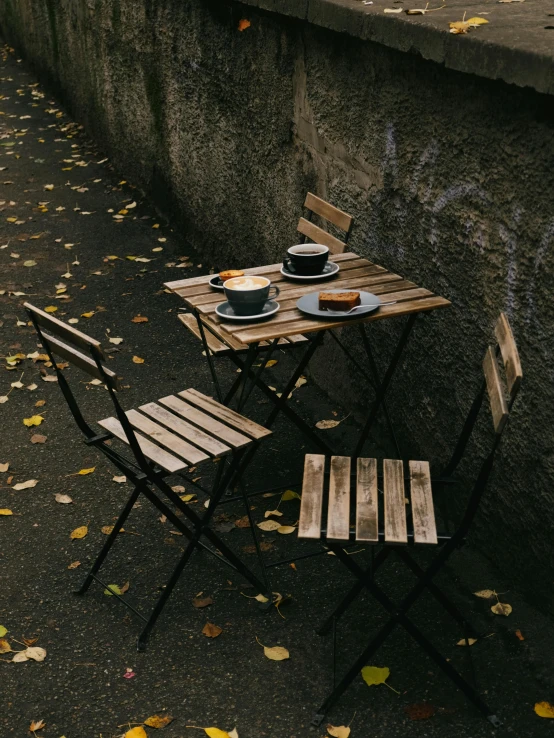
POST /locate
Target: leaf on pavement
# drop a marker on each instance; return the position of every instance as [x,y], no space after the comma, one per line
[50,309]
[544,709]
[341,731]
[244,23]
[5,511]
[74,565]
[63,499]
[268,525]
[116,589]
[117,341]
[26,485]
[212,631]
[5,467]
[466,642]
[202,601]
[502,608]
[376,675]
[139,319]
[275,653]
[272,512]
[285,530]
[326,424]
[4,646]
[289,494]
[137,732]
[33,420]
[137,360]
[37,438]
[486,594]
[84,472]
[36,653]
[37,724]
[158,721]
[120,480]
[79,532]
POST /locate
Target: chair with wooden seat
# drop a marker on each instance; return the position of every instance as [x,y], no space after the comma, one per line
[378,505]
[165,438]
[313,205]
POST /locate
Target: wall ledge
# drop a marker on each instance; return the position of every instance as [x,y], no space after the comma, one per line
[516,46]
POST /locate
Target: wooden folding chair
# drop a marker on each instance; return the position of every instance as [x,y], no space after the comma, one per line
[313,205]
[380,507]
[179,430]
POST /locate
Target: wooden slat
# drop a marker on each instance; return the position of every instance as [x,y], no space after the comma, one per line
[215,345]
[59,328]
[190,432]
[510,354]
[395,505]
[423,511]
[81,361]
[367,510]
[499,408]
[205,422]
[299,323]
[309,525]
[318,235]
[341,219]
[225,414]
[205,278]
[161,435]
[150,450]
[338,510]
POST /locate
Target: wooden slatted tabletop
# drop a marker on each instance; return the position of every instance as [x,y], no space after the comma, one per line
[355,273]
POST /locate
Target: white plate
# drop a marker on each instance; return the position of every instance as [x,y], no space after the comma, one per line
[225,311]
[329,270]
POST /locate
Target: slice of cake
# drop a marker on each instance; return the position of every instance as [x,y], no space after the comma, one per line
[338,300]
[230,273]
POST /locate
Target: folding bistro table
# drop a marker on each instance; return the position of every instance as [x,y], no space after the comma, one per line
[248,341]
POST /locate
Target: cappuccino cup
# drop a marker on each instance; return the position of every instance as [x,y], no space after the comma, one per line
[247,295]
[306,259]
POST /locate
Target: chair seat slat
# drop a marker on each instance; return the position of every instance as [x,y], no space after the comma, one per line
[309,525]
[150,450]
[205,422]
[161,435]
[367,511]
[423,511]
[338,512]
[225,414]
[395,505]
[190,432]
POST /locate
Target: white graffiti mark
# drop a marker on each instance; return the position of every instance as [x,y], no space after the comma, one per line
[458,192]
[548,236]
[429,156]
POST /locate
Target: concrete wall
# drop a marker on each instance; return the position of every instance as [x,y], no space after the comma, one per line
[449,176]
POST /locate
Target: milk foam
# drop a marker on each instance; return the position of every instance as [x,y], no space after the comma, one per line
[246,283]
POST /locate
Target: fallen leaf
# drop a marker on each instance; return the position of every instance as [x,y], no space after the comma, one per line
[40,403]
[79,532]
[117,341]
[212,631]
[119,480]
[137,360]
[63,499]
[243,522]
[26,485]
[88,315]
[34,420]
[116,589]
[36,653]
[29,263]
[188,498]
[5,467]
[244,24]
[158,721]
[49,187]
[272,512]
[74,564]
[50,309]
[289,494]
[261,598]
[37,438]
[3,631]
[474,22]
[275,653]
[285,530]
[486,594]
[83,472]
[37,724]
[376,675]
[32,388]
[202,602]
[502,608]
[139,319]
[420,711]
[519,635]
[137,732]
[544,709]
[325,424]
[469,641]
[4,646]
[5,511]
[19,657]
[107,529]
[268,525]
[392,10]
[342,731]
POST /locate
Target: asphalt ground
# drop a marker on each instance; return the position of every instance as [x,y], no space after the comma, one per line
[58,198]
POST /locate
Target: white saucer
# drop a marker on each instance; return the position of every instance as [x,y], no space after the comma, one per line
[329,270]
[225,311]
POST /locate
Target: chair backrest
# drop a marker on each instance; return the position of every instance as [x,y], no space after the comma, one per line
[330,213]
[63,340]
[506,350]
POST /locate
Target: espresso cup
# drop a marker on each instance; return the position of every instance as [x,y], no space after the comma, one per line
[306,259]
[247,295]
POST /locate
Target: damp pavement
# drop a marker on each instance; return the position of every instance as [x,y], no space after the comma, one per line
[71,229]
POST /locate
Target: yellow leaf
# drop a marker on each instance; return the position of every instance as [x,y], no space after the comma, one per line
[33,420]
[50,309]
[5,511]
[286,529]
[158,721]
[82,472]
[375,674]
[116,589]
[137,360]
[272,512]
[459,27]
[464,642]
[79,532]
[87,315]
[36,725]
[270,363]
[342,731]
[137,732]
[326,424]
[544,709]
[290,495]
[74,564]
[156,225]
[502,608]
[3,631]
[268,525]
[187,498]
[276,653]
[476,21]
[4,646]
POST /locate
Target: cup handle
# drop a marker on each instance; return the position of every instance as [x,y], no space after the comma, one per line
[273,287]
[287,263]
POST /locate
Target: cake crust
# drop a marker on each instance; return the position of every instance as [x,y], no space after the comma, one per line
[338,300]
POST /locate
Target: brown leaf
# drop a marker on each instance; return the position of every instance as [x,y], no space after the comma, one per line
[421,711]
[37,438]
[520,635]
[36,725]
[137,360]
[4,646]
[74,565]
[139,319]
[243,522]
[202,601]
[212,631]
[502,608]
[244,24]
[158,721]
